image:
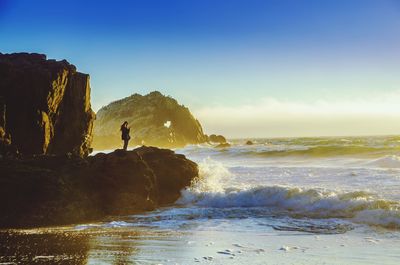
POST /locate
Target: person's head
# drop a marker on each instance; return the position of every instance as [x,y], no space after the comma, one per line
[124,124]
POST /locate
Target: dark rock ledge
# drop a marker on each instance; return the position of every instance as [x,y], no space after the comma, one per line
[64,189]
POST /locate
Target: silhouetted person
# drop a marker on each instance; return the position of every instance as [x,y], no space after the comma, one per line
[125,134]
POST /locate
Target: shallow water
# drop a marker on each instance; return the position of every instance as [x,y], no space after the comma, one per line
[279,201]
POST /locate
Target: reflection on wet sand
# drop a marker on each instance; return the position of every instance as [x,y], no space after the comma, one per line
[43,248]
[114,247]
[67,247]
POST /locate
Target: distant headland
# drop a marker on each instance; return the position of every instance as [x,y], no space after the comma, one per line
[156,120]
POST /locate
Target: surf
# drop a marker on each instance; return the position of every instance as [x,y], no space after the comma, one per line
[216,189]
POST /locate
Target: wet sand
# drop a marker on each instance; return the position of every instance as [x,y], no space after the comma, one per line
[203,245]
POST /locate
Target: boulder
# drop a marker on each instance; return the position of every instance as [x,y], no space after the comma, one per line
[45,105]
[249,142]
[155,120]
[216,139]
[64,189]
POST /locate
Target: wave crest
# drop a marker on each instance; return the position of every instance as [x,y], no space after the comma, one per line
[325,151]
[359,206]
[391,161]
[362,207]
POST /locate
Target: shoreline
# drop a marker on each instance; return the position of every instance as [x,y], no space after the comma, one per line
[209,244]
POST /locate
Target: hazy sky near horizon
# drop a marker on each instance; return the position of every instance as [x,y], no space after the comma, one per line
[244,67]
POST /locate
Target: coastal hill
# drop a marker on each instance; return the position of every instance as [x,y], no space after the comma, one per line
[155,119]
[46,174]
[44,106]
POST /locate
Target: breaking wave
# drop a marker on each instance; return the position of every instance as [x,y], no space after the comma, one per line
[325,151]
[391,161]
[364,207]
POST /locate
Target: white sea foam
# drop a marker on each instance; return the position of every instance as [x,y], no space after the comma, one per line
[213,175]
[362,207]
[213,190]
[379,217]
[390,161]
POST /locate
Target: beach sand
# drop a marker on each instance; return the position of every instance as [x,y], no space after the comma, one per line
[210,243]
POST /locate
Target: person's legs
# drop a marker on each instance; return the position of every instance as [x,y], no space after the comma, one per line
[126,144]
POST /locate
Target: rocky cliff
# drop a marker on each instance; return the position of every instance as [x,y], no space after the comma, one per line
[44,106]
[155,120]
[65,189]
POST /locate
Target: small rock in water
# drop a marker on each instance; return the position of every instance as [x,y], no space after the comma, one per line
[210,258]
[258,251]
[238,245]
[226,252]
[285,248]
[288,248]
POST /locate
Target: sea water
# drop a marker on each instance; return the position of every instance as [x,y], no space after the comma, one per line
[354,180]
[326,200]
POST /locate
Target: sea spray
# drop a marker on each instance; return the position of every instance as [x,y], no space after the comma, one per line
[212,175]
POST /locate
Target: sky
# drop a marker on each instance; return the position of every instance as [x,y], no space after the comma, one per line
[245,68]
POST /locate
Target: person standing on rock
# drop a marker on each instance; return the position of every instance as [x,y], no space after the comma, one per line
[125,134]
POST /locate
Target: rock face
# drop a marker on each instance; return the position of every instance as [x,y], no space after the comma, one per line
[5,141]
[49,190]
[155,120]
[44,106]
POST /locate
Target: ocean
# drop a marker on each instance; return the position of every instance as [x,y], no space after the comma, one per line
[323,200]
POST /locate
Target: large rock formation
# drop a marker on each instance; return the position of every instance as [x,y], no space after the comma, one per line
[45,115]
[155,120]
[44,106]
[48,190]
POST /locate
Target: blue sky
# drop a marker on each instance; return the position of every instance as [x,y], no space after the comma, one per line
[218,55]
